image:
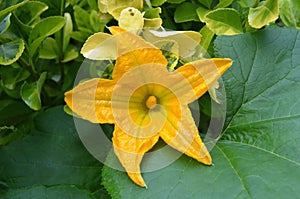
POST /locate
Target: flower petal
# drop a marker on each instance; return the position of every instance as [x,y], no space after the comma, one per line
[202,74]
[130,151]
[131,19]
[135,58]
[127,41]
[186,138]
[100,46]
[187,40]
[91,100]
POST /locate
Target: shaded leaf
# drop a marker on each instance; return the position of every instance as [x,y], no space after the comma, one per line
[50,155]
[4,24]
[53,192]
[12,112]
[11,51]
[15,120]
[30,11]
[258,155]
[11,76]
[4,12]
[224,21]
[263,14]
[31,92]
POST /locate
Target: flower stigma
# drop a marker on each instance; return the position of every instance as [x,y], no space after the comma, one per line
[151,102]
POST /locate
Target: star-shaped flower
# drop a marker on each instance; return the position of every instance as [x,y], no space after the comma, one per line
[145,101]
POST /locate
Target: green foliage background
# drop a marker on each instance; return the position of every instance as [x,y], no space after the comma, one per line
[258,156]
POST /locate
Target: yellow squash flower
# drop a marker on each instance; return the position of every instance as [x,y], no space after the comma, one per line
[145,101]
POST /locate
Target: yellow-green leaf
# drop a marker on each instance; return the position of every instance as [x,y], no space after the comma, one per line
[290,12]
[11,51]
[31,92]
[263,14]
[224,21]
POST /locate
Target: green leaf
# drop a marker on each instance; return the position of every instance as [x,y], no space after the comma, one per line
[186,12]
[97,24]
[224,21]
[79,36]
[223,3]
[53,192]
[15,120]
[68,29]
[265,13]
[157,2]
[247,3]
[207,36]
[206,3]
[19,28]
[31,93]
[52,154]
[42,30]
[11,51]
[12,112]
[289,12]
[152,13]
[258,155]
[49,49]
[4,24]
[82,19]
[55,7]
[175,1]
[93,4]
[70,54]
[11,76]
[5,12]
[30,11]
[202,12]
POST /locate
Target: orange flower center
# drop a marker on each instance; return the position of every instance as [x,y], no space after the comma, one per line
[151,102]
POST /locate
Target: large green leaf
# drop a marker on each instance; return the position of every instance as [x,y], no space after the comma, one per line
[258,155]
[38,192]
[50,162]
[11,51]
[263,14]
[290,12]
